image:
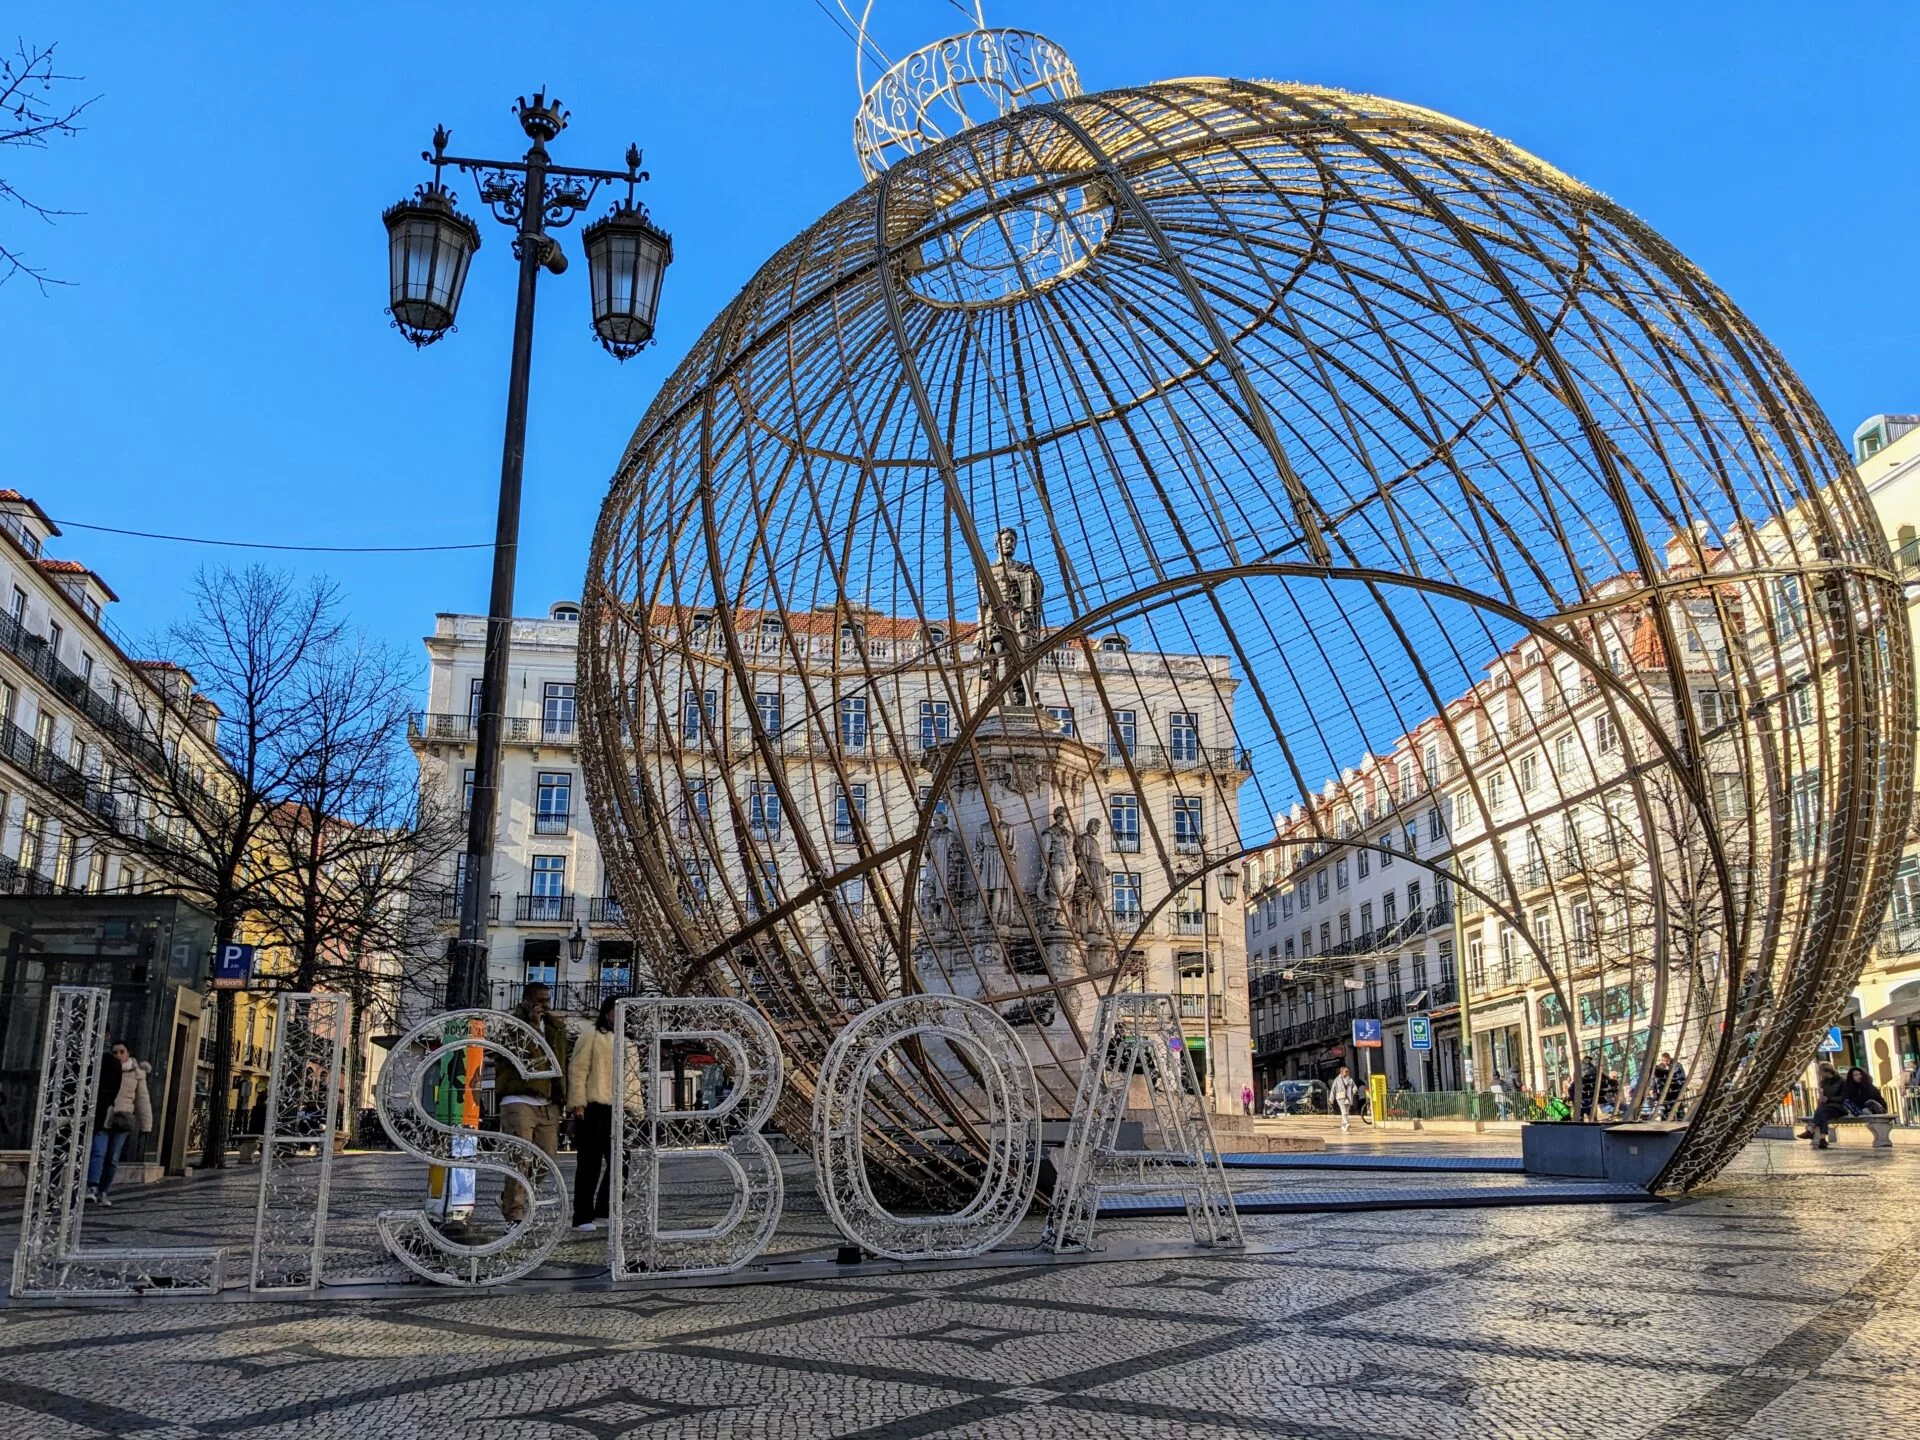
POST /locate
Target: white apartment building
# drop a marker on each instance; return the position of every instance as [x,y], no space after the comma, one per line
[853,774]
[551,916]
[1349,916]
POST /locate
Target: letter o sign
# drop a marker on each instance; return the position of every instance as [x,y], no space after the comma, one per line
[1013,1129]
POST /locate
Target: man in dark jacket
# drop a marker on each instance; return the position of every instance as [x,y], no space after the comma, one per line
[1669,1082]
[531,1108]
[1827,1108]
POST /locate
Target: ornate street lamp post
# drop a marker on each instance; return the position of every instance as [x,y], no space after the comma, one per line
[430,246]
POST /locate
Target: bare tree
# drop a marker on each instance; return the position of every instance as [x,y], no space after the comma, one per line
[34,112]
[228,742]
[354,835]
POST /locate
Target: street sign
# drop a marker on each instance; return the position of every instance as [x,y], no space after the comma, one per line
[1834,1043]
[232,967]
[1419,1033]
[1366,1034]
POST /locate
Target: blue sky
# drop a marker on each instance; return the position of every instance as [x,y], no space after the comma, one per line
[221,365]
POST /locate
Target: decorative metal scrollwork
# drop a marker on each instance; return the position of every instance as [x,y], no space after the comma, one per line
[1137,1037]
[303,1111]
[49,1260]
[407,1233]
[650,1127]
[987,1052]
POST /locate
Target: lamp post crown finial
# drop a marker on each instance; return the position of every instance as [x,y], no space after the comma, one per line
[541,118]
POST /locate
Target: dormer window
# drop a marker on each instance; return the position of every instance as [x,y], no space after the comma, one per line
[1114,644]
[849,639]
[770,632]
[935,637]
[700,631]
[566,612]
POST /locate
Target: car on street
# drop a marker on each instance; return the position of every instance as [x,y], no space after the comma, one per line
[1297,1097]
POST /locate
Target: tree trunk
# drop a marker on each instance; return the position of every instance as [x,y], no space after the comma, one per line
[213,1154]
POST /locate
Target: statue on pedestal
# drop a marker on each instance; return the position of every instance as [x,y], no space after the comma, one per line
[1055,889]
[936,874]
[990,871]
[1004,641]
[1091,859]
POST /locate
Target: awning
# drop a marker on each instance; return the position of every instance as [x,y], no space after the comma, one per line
[1902,1004]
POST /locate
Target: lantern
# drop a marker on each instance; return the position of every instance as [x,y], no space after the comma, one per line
[627,258]
[429,247]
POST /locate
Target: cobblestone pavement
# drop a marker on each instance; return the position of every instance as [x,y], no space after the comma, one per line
[1781,1302]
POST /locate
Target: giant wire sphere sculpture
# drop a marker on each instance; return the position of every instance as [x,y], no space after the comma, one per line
[1216,480]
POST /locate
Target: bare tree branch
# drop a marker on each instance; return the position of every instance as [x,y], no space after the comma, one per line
[32,115]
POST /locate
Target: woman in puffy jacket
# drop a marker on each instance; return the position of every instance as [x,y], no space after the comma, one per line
[121,1109]
[590,1098]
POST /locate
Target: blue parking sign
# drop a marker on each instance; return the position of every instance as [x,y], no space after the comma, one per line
[1366,1034]
[232,966]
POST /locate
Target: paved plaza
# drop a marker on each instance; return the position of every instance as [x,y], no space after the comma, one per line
[1782,1303]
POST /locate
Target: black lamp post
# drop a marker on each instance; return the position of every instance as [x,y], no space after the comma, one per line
[430,246]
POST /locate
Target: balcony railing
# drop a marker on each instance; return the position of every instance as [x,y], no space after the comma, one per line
[1196,1007]
[552,822]
[450,905]
[450,727]
[568,997]
[1224,759]
[606,910]
[543,909]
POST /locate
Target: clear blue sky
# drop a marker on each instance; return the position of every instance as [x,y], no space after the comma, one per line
[221,364]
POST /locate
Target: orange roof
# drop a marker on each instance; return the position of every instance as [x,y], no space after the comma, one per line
[16,498]
[74,567]
[819,622]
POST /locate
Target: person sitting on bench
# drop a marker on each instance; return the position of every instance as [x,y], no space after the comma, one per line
[1828,1108]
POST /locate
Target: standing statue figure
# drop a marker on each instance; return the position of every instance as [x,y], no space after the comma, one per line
[990,872]
[1021,594]
[1089,855]
[936,894]
[1055,890]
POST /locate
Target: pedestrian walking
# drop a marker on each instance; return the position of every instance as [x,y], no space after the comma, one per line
[1584,1089]
[1501,1106]
[123,1108]
[1343,1092]
[1246,1099]
[590,1098]
[530,1108]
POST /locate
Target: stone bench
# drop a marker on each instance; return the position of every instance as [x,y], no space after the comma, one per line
[13,1169]
[1880,1125]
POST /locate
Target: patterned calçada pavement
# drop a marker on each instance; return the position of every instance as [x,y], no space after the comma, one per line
[1780,1302]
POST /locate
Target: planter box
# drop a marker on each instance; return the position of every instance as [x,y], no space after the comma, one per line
[1626,1154]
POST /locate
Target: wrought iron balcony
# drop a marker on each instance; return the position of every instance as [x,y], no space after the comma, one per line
[549,822]
[543,909]
[606,910]
[450,905]
[567,997]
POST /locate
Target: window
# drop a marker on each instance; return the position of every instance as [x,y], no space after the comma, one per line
[1729,797]
[549,880]
[853,722]
[763,886]
[554,804]
[1436,828]
[695,807]
[850,638]
[1366,918]
[1340,873]
[935,717]
[1606,735]
[1306,941]
[1190,910]
[1120,732]
[1712,708]
[1413,899]
[1476,962]
[767,704]
[1906,889]
[1286,905]
[1529,774]
[466,794]
[1126,894]
[1806,813]
[1509,956]
[1183,736]
[770,633]
[541,959]
[31,837]
[763,810]
[565,614]
[1431,764]
[1789,605]
[1063,717]
[19,606]
[697,711]
[1362,863]
[54,636]
[1123,818]
[1303,893]
[853,895]
[1800,700]
[86,668]
[1386,850]
[556,710]
[473,703]
[849,803]
[1496,791]
[1389,909]
[63,860]
[700,631]
[1320,883]
[1346,926]
[615,959]
[1189,833]
[1563,756]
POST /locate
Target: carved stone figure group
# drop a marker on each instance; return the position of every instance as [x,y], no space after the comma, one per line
[976,886]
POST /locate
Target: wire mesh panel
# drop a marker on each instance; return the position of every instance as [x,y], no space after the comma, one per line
[1145,483]
[652,1127]
[462,1038]
[296,1149]
[50,1260]
[1140,1047]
